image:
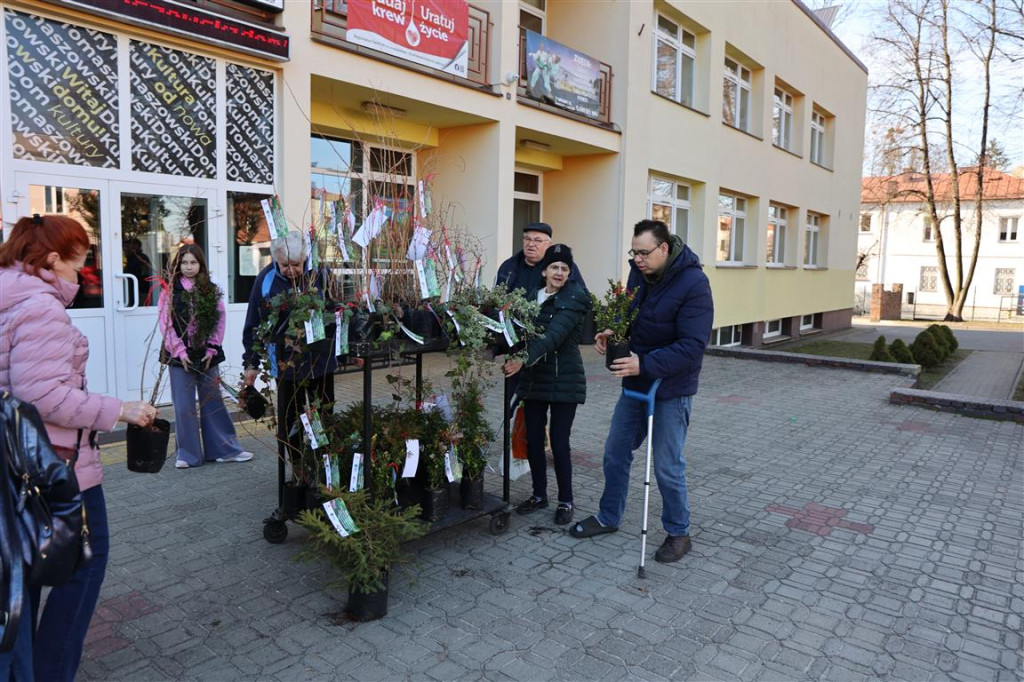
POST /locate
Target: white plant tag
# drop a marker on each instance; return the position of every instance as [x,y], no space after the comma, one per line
[448,466]
[355,481]
[412,457]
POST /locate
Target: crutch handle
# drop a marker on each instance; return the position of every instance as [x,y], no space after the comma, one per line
[645,397]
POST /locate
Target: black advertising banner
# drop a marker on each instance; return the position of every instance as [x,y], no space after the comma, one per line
[63,92]
[250,124]
[174,127]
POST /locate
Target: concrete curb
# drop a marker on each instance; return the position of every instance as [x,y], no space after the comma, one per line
[816,360]
[967,405]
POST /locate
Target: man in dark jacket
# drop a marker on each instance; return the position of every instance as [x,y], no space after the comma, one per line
[522,271]
[672,327]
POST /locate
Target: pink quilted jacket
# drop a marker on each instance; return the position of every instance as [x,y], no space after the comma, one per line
[42,361]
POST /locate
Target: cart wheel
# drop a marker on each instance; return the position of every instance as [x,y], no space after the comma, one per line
[500,523]
[275,532]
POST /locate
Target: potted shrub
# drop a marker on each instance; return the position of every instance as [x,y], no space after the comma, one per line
[472,438]
[434,444]
[366,554]
[146,446]
[615,312]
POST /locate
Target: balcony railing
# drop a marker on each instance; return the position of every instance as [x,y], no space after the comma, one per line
[604,88]
[330,20]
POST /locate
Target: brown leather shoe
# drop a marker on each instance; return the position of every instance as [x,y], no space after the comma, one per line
[673,549]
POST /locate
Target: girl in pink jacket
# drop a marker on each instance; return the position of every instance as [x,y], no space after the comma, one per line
[42,361]
[192,319]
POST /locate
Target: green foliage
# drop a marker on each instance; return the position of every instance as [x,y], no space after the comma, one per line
[202,301]
[880,353]
[474,434]
[926,351]
[613,311]
[951,340]
[365,556]
[900,353]
[940,340]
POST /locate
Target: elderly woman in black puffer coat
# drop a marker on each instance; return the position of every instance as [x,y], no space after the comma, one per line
[553,380]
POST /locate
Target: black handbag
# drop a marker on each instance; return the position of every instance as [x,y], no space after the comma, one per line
[52,536]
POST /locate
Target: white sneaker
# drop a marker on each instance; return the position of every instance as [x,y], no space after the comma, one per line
[240,457]
[180,464]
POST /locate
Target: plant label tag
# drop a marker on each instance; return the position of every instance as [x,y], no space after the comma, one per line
[508,329]
[332,516]
[355,481]
[456,462]
[421,278]
[343,246]
[433,289]
[411,334]
[412,457]
[328,471]
[340,333]
[315,327]
[314,430]
[340,518]
[369,303]
[448,466]
[496,326]
[374,287]
[418,245]
[447,293]
[275,217]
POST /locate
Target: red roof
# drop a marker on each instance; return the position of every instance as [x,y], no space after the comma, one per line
[910,186]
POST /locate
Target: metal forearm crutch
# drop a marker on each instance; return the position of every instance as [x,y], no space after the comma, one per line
[647,398]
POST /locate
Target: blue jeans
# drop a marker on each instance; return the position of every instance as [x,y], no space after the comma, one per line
[626,433]
[69,608]
[16,664]
[218,432]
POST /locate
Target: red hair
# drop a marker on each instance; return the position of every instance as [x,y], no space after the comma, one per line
[33,239]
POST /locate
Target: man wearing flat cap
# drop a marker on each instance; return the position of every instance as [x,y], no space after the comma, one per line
[522,271]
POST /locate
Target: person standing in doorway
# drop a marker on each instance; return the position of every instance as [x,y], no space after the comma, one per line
[192,320]
[553,380]
[675,312]
[137,263]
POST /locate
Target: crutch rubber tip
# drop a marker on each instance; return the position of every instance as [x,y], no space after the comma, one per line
[640,572]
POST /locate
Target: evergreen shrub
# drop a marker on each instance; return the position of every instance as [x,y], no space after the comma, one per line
[950,338]
[880,353]
[926,351]
[901,353]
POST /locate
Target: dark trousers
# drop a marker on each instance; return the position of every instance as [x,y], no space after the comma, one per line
[292,398]
[562,416]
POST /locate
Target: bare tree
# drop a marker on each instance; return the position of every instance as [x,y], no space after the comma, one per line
[936,46]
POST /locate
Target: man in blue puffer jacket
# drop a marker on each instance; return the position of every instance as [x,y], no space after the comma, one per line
[672,328]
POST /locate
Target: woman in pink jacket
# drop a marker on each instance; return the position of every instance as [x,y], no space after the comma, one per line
[42,361]
[192,321]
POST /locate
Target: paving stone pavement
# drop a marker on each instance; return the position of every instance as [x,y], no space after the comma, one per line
[836,537]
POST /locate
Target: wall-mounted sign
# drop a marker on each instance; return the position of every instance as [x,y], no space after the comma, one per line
[187,20]
[174,121]
[562,76]
[250,124]
[63,84]
[433,33]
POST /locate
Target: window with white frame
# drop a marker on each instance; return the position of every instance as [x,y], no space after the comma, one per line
[772,328]
[53,199]
[782,119]
[732,221]
[865,222]
[929,282]
[669,202]
[526,203]
[736,95]
[807,322]
[1004,281]
[818,138]
[778,224]
[812,239]
[532,14]
[675,53]
[928,229]
[1008,229]
[731,335]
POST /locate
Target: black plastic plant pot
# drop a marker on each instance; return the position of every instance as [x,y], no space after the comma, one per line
[147,446]
[615,351]
[364,606]
[255,403]
[472,492]
[409,492]
[293,499]
[313,498]
[435,504]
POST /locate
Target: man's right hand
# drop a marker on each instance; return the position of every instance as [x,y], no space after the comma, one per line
[601,341]
[250,377]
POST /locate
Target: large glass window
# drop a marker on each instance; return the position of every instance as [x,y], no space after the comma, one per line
[812,239]
[526,204]
[778,223]
[532,14]
[669,202]
[250,250]
[736,95]
[782,119]
[675,52]
[84,206]
[732,221]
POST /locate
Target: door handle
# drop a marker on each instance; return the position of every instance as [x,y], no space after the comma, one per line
[135,286]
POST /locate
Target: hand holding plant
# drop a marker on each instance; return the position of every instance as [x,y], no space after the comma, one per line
[614,312]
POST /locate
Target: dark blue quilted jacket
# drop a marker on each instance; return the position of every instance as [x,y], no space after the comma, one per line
[672,327]
[554,371]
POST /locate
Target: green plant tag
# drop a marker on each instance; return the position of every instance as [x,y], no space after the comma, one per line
[340,518]
[508,329]
[452,458]
[314,430]
[411,334]
[315,327]
[355,481]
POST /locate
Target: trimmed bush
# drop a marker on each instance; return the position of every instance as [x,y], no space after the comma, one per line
[880,353]
[950,338]
[900,353]
[926,351]
[940,340]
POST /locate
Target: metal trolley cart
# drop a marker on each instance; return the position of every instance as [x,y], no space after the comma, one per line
[275,529]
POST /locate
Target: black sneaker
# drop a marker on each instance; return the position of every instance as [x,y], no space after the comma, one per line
[563,513]
[531,504]
[673,549]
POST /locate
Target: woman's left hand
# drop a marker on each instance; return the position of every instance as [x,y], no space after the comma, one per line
[206,363]
[511,367]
